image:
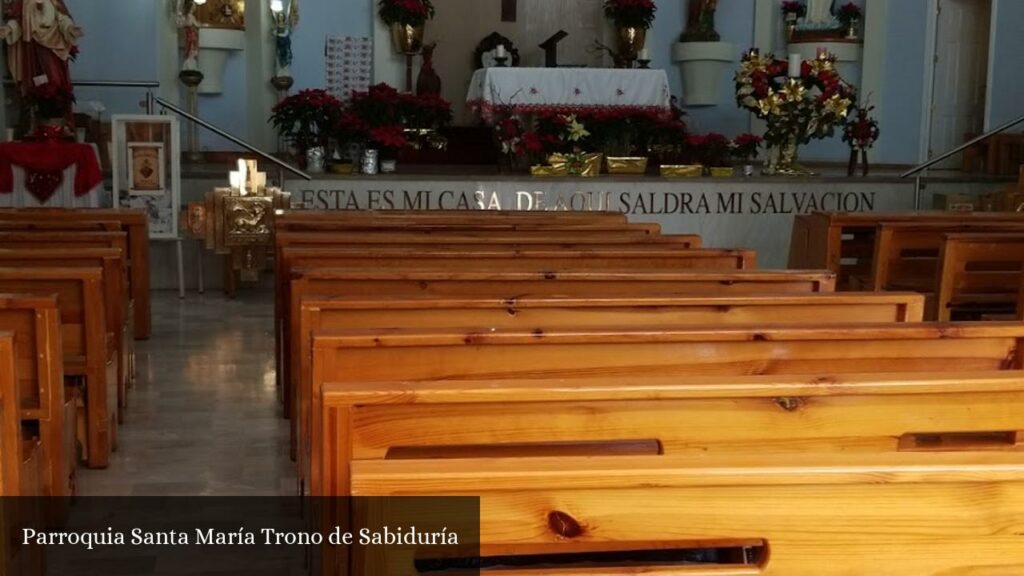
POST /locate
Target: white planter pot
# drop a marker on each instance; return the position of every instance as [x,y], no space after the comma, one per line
[215,45]
[703,64]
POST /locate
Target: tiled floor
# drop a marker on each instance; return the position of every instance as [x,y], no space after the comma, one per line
[203,418]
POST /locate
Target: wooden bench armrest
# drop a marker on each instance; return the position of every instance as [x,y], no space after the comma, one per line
[476,475]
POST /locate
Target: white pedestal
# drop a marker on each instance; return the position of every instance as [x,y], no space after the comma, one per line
[703,64]
[215,45]
[848,56]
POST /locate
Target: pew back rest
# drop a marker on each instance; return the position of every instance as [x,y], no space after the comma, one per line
[981,268]
[479,237]
[470,225]
[447,216]
[34,321]
[473,353]
[80,301]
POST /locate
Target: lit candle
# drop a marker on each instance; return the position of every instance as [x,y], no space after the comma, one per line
[233,179]
[795,62]
[644,54]
[242,176]
[501,51]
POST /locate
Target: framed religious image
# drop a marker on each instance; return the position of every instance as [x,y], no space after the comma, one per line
[146,168]
[145,160]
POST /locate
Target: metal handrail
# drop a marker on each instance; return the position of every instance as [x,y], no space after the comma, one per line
[197,120]
[117,83]
[925,165]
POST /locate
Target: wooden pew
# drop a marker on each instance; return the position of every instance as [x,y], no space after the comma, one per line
[825,352]
[906,254]
[924,514]
[115,291]
[34,322]
[446,216]
[135,223]
[325,314]
[979,273]
[88,353]
[827,239]
[471,224]
[583,283]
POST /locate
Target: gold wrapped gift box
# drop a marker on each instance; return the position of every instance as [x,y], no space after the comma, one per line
[682,170]
[585,164]
[626,165]
[721,172]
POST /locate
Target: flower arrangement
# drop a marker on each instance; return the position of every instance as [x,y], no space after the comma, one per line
[745,147]
[306,119]
[848,13]
[50,100]
[710,149]
[407,12]
[793,9]
[388,120]
[631,13]
[861,130]
[796,110]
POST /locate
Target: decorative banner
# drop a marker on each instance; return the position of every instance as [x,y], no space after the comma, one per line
[349,65]
[735,213]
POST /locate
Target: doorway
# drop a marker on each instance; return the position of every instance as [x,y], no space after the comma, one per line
[958,75]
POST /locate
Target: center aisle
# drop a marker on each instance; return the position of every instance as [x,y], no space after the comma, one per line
[203,418]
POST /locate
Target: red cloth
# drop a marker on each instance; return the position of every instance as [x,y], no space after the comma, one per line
[44,164]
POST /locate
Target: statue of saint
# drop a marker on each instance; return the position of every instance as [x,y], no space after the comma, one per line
[285,22]
[188,25]
[41,37]
[700,21]
[820,16]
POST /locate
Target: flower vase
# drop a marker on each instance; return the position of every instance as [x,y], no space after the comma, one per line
[315,160]
[631,40]
[782,160]
[407,38]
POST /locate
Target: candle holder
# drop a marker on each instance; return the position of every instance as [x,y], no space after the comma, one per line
[644,64]
[502,61]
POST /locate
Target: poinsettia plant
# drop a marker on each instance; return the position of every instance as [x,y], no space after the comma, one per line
[410,12]
[306,119]
[388,120]
[711,149]
[631,13]
[49,100]
[848,13]
[745,146]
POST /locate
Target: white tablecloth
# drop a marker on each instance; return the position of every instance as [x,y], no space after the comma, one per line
[569,89]
[63,197]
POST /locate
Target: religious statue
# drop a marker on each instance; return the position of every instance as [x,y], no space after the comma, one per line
[700,22]
[188,24]
[285,22]
[820,16]
[41,37]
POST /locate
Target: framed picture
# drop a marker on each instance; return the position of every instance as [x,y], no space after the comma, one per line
[146,165]
[146,168]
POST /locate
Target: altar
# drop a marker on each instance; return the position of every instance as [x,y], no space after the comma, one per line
[50,174]
[572,90]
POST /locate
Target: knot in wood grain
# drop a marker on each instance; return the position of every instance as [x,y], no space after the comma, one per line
[788,403]
[564,525]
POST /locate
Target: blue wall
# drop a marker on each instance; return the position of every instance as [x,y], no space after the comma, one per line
[1008,62]
[903,91]
[128,54]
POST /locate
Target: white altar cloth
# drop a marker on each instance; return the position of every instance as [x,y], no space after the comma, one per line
[532,90]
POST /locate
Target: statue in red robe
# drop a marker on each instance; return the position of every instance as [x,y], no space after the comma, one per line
[41,37]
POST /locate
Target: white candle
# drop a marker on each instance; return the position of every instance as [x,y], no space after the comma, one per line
[233,179]
[242,176]
[501,51]
[795,62]
[644,54]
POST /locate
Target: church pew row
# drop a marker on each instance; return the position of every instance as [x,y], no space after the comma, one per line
[824,355]
[88,352]
[506,283]
[469,224]
[906,254]
[980,273]
[843,242]
[134,223]
[34,323]
[926,514]
[325,314]
[117,300]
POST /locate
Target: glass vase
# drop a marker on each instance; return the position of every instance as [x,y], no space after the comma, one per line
[782,159]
